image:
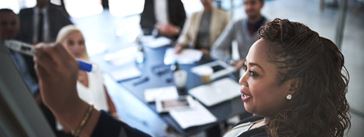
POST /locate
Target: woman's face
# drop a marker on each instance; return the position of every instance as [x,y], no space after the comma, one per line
[75,44]
[261,92]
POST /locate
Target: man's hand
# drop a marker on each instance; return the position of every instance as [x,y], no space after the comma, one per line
[168,29]
[57,72]
[178,49]
[205,52]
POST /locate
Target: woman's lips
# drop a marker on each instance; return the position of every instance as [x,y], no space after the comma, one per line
[245,96]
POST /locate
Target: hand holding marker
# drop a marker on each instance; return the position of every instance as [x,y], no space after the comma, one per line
[27,49]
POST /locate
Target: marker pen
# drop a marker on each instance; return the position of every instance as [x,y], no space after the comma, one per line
[27,49]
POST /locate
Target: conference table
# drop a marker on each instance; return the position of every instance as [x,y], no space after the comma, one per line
[156,74]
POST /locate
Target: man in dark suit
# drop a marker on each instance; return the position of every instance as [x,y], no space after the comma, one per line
[42,22]
[9,27]
[165,16]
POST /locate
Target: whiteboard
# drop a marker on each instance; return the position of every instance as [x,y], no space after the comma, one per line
[19,113]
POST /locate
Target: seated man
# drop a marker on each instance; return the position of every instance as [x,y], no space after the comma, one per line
[202,28]
[243,31]
[42,22]
[9,27]
[165,16]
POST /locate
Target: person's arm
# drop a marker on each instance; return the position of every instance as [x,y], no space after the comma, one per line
[168,29]
[185,38]
[57,72]
[107,126]
[221,47]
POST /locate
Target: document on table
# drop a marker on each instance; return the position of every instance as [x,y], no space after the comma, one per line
[187,56]
[122,57]
[197,115]
[152,94]
[155,42]
[126,72]
[216,92]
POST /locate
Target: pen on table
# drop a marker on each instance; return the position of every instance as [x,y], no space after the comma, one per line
[27,49]
[141,81]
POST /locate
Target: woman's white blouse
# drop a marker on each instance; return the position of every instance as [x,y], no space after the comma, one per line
[95,93]
[237,130]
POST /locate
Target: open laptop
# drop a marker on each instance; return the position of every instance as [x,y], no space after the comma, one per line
[19,113]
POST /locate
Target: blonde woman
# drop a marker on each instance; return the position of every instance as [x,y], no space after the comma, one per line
[90,85]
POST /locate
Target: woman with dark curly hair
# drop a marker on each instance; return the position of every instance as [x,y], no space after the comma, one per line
[295,81]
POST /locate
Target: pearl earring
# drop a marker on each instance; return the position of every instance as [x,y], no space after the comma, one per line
[289,97]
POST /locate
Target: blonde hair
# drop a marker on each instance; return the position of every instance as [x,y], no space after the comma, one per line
[65,32]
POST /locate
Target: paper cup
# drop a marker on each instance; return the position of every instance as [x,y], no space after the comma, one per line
[180,78]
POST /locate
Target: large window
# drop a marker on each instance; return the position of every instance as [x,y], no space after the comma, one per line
[11,4]
[125,8]
[82,8]
[192,6]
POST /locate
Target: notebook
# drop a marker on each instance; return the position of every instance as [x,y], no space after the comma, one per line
[216,92]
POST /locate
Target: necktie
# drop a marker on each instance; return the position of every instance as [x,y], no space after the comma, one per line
[40,26]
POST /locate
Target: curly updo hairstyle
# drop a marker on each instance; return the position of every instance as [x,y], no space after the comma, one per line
[318,107]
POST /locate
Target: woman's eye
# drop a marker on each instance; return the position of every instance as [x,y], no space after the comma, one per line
[70,43]
[253,73]
[81,42]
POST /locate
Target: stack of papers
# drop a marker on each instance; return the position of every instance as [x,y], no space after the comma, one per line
[153,42]
[126,72]
[187,56]
[216,92]
[167,105]
[122,57]
[197,115]
[161,93]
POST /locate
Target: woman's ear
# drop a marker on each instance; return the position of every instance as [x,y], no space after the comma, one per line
[293,86]
[290,87]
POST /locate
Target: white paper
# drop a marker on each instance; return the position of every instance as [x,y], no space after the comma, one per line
[195,116]
[216,92]
[187,56]
[122,57]
[150,95]
[127,72]
[153,42]
[175,104]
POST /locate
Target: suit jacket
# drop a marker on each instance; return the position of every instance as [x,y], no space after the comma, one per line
[57,19]
[219,20]
[176,15]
